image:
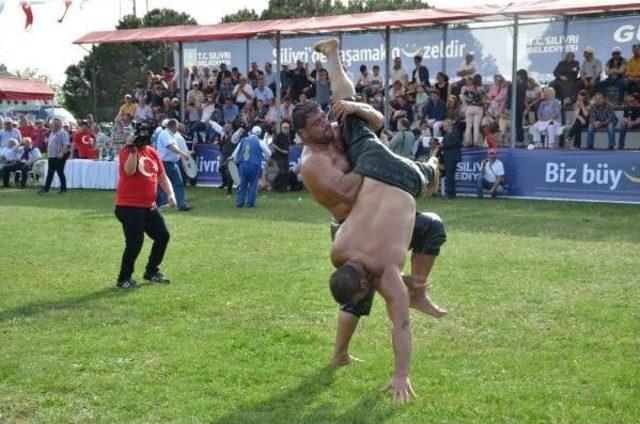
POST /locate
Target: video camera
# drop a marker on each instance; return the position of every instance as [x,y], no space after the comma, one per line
[142,134]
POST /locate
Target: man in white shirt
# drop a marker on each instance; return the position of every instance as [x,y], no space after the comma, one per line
[170,154]
[143,113]
[22,159]
[466,69]
[491,175]
[243,92]
[398,72]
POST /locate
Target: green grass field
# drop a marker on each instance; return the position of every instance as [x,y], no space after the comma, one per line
[544,322]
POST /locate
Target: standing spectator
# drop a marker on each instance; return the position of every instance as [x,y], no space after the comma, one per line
[364,81]
[195,96]
[225,90]
[230,111]
[615,70]
[632,80]
[420,73]
[376,82]
[491,175]
[582,119]
[473,99]
[601,116]
[203,80]
[299,80]
[224,73]
[398,72]
[321,90]
[27,155]
[548,119]
[249,155]
[497,96]
[170,154]
[421,100]
[119,135]
[242,93]
[566,78]
[590,71]
[630,118]
[451,155]
[286,110]
[9,132]
[285,79]
[84,141]
[442,85]
[92,124]
[270,77]
[157,98]
[25,128]
[435,113]
[39,135]
[210,88]
[144,113]
[402,143]
[522,79]
[281,143]
[316,70]
[262,92]
[57,152]
[466,69]
[140,172]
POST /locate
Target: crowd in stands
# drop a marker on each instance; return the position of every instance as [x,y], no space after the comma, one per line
[222,102]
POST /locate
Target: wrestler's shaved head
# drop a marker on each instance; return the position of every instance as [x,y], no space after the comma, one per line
[345,284]
[312,124]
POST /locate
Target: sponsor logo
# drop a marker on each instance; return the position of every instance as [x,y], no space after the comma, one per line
[627,33]
[600,174]
[631,178]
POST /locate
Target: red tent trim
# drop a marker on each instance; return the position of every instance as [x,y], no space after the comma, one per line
[13,88]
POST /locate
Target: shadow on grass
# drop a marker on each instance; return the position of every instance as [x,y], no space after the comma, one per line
[38,308]
[300,405]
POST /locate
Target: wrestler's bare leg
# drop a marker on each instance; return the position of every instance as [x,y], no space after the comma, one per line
[421,265]
[347,324]
[341,86]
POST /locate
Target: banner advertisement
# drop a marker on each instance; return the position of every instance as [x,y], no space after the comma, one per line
[546,174]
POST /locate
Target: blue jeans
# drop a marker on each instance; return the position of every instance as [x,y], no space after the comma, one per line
[624,127]
[249,176]
[592,133]
[173,173]
[486,185]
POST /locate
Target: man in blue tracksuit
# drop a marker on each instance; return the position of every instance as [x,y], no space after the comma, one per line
[248,156]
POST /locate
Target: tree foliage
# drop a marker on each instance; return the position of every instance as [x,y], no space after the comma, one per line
[116,68]
[284,9]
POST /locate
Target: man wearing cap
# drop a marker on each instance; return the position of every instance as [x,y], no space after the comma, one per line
[249,155]
[9,132]
[491,175]
[420,75]
[590,71]
[615,69]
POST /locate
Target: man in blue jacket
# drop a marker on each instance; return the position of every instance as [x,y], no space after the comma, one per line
[451,155]
[249,155]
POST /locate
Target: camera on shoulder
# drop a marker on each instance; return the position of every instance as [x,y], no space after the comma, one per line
[142,134]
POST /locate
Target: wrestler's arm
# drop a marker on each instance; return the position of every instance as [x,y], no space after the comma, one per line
[342,108]
[393,290]
[322,178]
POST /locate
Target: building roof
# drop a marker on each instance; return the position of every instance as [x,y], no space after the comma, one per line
[15,88]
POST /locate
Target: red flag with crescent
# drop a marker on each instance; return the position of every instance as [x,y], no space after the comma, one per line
[28,13]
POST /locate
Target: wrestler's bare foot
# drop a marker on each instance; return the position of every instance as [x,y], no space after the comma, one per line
[326,46]
[418,298]
[342,359]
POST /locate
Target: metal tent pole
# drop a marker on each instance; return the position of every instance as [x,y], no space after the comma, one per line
[387,72]
[514,70]
[278,90]
[181,79]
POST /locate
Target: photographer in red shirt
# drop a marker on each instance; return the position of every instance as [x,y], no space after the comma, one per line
[84,141]
[141,171]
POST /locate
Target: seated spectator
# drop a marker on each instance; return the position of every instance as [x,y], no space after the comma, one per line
[224,73]
[376,82]
[601,116]
[39,135]
[272,114]
[286,110]
[497,96]
[10,160]
[473,100]
[254,74]
[141,93]
[491,175]
[630,118]
[285,79]
[549,120]
[402,142]
[582,119]
[410,93]
[300,80]
[261,115]
[442,85]
[615,70]
[195,96]
[321,90]
[566,78]
[119,135]
[364,81]
[533,98]
[242,93]
[84,142]
[466,69]
[230,112]
[29,154]
[632,80]
[8,133]
[210,88]
[128,107]
[270,77]
[398,72]
[590,72]
[157,98]
[400,109]
[435,112]
[421,100]
[397,89]
[248,114]
[143,113]
[225,90]
[420,74]
[262,92]
[451,155]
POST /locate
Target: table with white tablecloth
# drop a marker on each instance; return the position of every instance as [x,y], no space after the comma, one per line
[83,173]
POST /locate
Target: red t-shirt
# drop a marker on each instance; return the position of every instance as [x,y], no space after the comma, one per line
[139,189]
[84,142]
[26,131]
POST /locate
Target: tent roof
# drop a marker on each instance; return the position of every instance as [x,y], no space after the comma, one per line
[394,19]
[24,89]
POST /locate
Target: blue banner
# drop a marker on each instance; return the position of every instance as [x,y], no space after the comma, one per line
[571,175]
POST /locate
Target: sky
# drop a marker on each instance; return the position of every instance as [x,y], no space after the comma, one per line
[48,46]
